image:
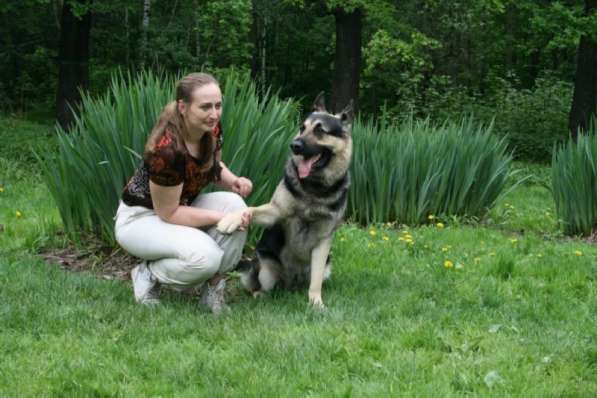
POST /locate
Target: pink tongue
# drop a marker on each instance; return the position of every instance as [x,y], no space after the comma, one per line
[304,166]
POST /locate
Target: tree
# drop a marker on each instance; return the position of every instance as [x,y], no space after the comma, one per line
[584,100]
[73,59]
[144,29]
[347,61]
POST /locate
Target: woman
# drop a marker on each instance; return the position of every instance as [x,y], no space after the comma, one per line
[163,219]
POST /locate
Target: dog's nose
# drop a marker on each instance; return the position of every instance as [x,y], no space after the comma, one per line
[297,146]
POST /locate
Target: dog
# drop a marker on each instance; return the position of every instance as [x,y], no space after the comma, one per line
[305,210]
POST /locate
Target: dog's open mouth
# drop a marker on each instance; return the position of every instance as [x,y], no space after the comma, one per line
[307,166]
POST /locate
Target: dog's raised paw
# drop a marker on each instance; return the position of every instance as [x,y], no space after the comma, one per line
[229,223]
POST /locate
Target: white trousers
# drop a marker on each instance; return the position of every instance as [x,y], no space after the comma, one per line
[178,255]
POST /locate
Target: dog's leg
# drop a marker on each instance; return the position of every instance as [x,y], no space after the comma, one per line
[268,275]
[319,256]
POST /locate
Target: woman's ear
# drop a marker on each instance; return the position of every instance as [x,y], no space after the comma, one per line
[182,107]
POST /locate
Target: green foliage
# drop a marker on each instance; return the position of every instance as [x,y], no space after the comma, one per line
[98,156]
[574,175]
[536,119]
[408,171]
[397,70]
[228,46]
[532,120]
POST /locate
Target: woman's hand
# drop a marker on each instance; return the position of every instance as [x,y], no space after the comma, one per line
[242,186]
[245,220]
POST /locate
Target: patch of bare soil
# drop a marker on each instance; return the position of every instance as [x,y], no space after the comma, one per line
[105,262]
[114,263]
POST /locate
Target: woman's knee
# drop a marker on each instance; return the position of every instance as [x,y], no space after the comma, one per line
[233,201]
[205,260]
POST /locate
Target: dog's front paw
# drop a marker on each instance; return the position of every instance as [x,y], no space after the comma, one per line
[230,223]
[316,301]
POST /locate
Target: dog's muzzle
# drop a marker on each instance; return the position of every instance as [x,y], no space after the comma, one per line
[297,146]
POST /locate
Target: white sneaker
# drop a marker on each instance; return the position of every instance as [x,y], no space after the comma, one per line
[145,285]
[212,297]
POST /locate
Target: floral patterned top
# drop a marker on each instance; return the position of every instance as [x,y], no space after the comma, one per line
[168,165]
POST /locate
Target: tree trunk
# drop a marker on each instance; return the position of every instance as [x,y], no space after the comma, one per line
[144,28]
[584,100]
[347,62]
[73,63]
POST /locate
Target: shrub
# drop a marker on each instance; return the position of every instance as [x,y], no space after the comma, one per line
[96,158]
[574,179]
[534,120]
[408,171]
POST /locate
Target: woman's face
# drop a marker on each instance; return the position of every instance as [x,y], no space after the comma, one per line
[203,113]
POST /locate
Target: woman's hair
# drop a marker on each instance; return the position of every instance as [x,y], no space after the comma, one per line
[172,121]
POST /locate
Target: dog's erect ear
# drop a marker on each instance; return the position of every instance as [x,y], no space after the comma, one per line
[319,103]
[347,114]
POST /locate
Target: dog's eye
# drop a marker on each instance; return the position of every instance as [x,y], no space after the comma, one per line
[318,129]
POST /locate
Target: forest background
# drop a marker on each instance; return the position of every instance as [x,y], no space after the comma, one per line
[515,61]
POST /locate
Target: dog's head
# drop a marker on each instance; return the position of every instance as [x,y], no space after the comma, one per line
[324,142]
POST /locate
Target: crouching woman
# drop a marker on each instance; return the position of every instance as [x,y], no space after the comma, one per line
[164,219]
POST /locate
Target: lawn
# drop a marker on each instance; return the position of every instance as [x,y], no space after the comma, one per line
[501,307]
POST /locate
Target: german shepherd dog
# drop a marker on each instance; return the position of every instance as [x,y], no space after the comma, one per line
[305,210]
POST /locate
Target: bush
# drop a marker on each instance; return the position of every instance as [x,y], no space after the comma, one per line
[100,153]
[534,120]
[408,171]
[574,176]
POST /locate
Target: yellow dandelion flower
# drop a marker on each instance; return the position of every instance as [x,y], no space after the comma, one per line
[448,264]
[578,252]
[408,236]
[386,238]
[440,225]
[372,232]
[18,214]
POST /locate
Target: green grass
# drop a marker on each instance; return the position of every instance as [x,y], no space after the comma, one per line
[513,316]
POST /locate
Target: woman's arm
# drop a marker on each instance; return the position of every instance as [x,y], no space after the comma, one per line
[241,185]
[166,205]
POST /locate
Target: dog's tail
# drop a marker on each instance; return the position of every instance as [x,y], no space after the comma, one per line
[249,274]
